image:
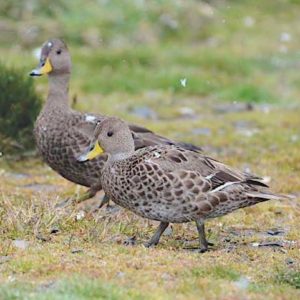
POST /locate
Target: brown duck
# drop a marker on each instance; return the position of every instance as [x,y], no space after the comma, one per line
[168,183]
[62,133]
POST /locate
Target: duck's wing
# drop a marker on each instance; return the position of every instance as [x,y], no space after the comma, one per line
[145,138]
[174,159]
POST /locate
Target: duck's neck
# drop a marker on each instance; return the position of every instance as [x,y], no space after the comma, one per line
[119,156]
[58,99]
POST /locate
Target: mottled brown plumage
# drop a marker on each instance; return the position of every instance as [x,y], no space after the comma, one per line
[168,183]
[62,133]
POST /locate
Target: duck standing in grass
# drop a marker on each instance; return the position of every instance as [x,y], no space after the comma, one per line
[168,183]
[62,133]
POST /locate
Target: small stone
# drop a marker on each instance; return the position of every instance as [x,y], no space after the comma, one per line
[144,112]
[168,21]
[255,244]
[166,276]
[201,131]
[54,230]
[112,209]
[80,215]
[20,244]
[285,37]
[42,238]
[168,231]
[11,278]
[242,283]
[233,107]
[47,286]
[294,138]
[187,112]
[289,261]
[131,241]
[4,259]
[120,274]
[249,21]
[74,251]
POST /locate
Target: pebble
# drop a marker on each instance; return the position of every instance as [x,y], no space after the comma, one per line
[74,251]
[131,241]
[242,283]
[201,131]
[144,112]
[80,215]
[21,244]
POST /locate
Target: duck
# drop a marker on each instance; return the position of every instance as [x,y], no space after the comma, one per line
[168,183]
[62,133]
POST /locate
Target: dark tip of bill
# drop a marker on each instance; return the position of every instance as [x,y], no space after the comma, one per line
[33,73]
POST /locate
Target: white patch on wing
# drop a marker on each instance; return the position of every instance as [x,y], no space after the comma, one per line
[221,187]
[210,176]
[156,154]
[90,118]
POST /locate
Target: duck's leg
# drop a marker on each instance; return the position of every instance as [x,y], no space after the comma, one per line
[90,193]
[155,238]
[105,200]
[202,239]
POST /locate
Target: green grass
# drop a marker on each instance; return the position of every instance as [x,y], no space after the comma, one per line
[75,288]
[291,278]
[133,54]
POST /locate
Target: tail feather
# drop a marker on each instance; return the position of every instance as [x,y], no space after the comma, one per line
[267,196]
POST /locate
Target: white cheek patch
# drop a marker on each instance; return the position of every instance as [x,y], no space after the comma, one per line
[90,118]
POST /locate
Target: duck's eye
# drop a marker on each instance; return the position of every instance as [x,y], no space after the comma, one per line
[110,133]
[58,52]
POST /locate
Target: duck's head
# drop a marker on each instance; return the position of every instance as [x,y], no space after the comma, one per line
[54,60]
[113,137]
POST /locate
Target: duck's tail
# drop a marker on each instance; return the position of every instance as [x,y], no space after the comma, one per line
[264,196]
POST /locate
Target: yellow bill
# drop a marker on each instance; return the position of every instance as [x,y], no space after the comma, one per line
[43,68]
[92,152]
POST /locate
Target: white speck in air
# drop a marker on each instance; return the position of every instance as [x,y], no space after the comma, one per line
[183,82]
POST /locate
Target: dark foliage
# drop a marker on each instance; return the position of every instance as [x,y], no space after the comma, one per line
[19,107]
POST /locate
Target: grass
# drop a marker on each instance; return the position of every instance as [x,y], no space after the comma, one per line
[133,54]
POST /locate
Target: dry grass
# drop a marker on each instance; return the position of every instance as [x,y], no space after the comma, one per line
[241,51]
[59,248]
